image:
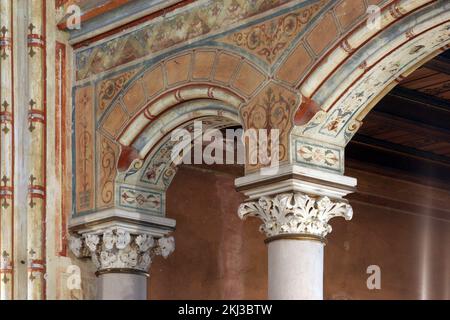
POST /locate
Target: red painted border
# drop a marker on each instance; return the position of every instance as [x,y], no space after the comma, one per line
[59,3]
[13,140]
[44,155]
[60,139]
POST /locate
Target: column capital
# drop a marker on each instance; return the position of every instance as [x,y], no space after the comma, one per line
[296,213]
[296,202]
[118,250]
[121,241]
[292,178]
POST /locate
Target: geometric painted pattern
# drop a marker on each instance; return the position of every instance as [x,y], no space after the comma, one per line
[318,155]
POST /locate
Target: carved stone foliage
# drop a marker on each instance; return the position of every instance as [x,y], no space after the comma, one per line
[295,213]
[118,249]
[269,39]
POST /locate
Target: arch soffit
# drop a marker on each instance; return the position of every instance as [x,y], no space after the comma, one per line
[158,167]
[149,179]
[347,92]
[202,73]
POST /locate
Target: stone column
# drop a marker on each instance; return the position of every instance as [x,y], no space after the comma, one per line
[299,264]
[295,207]
[122,259]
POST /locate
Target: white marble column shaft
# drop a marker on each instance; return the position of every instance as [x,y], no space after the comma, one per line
[122,286]
[295,270]
[295,212]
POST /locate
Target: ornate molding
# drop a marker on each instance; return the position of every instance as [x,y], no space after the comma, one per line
[296,213]
[117,249]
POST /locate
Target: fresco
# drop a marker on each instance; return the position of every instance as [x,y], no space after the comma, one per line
[205,17]
[269,61]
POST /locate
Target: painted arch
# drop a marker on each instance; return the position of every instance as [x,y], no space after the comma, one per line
[312,69]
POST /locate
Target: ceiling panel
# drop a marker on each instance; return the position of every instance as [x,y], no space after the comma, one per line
[432,79]
[412,122]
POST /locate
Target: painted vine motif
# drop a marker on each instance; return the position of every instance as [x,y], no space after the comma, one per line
[319,155]
[272,110]
[269,39]
[108,164]
[108,89]
[85,158]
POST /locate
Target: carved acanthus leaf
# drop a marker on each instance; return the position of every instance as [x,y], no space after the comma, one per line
[295,213]
[117,248]
[166,246]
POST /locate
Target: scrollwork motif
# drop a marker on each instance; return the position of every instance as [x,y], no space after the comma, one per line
[108,172]
[273,110]
[269,39]
[109,88]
